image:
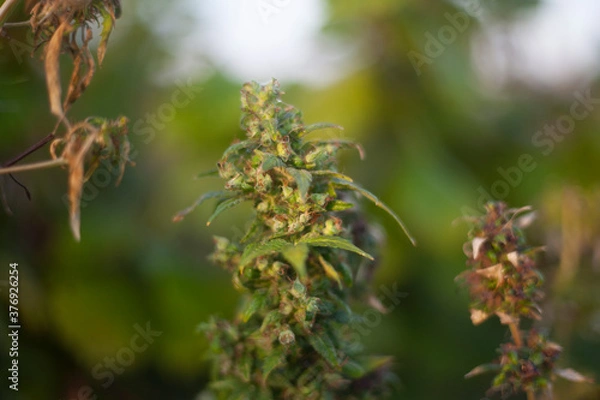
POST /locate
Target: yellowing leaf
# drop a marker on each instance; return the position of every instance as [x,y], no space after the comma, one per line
[108,22]
[330,271]
[297,255]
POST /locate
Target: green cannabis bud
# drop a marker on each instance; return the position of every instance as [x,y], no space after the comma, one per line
[296,265]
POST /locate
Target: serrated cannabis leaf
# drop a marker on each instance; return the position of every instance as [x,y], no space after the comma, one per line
[342,144]
[225,205]
[333,174]
[271,161]
[325,348]
[345,184]
[318,126]
[257,302]
[210,172]
[303,180]
[334,242]
[255,250]
[206,196]
[272,361]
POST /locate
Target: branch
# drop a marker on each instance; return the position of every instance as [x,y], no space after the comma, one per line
[30,167]
[6,8]
[29,150]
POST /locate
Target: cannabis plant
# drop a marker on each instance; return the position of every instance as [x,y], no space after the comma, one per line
[503,280]
[296,264]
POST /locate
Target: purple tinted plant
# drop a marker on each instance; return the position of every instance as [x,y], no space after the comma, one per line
[503,280]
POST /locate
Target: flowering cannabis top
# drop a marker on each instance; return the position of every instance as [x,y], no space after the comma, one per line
[295,264]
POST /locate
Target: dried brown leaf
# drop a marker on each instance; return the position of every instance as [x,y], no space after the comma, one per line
[513,257]
[493,272]
[507,319]
[52,67]
[75,188]
[572,375]
[477,243]
[478,316]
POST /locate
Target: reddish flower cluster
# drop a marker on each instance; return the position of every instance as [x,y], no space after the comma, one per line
[503,280]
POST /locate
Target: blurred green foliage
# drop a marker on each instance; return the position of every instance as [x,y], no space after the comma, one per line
[431,140]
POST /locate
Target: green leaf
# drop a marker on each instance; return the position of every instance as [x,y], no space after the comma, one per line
[271,161]
[225,205]
[210,195]
[245,367]
[303,180]
[234,148]
[318,126]
[210,172]
[347,185]
[334,242]
[324,347]
[330,271]
[258,301]
[373,363]
[334,174]
[108,22]
[297,255]
[255,250]
[342,144]
[339,205]
[272,361]
[353,370]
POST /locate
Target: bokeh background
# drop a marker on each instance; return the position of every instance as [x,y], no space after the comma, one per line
[445,96]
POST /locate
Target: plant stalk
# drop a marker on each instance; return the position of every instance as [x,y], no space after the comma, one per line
[6,9]
[29,167]
[516,334]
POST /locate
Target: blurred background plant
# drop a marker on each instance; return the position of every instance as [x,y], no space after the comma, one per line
[440,140]
[503,281]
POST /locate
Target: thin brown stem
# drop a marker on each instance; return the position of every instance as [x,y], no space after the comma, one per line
[516,333]
[6,8]
[29,150]
[17,24]
[29,167]
[530,395]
